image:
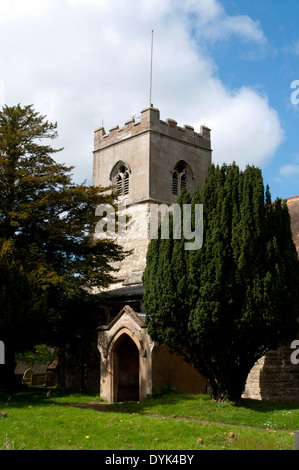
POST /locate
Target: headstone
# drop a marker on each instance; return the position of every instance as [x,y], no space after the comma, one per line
[27,377]
[296,440]
[50,394]
[2,353]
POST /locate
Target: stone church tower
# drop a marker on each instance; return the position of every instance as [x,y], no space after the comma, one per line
[150,161]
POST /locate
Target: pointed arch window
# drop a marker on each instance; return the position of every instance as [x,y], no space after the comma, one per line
[121,178]
[179,178]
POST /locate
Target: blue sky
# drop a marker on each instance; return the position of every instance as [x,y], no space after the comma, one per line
[270,71]
[228,64]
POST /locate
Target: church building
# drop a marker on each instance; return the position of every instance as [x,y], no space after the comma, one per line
[150,161]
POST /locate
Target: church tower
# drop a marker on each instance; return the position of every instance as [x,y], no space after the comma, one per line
[150,161]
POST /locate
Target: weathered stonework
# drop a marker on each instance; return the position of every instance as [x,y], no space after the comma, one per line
[150,149]
[293,206]
[274,377]
[133,366]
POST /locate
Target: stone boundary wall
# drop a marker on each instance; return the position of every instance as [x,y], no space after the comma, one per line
[274,378]
[293,206]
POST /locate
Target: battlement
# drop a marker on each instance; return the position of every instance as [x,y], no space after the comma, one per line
[150,121]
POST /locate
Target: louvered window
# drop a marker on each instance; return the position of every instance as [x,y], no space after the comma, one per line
[183,181]
[122,180]
[179,178]
[119,182]
[126,182]
[175,183]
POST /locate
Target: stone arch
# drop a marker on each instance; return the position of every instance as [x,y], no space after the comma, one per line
[112,341]
[120,177]
[182,177]
[125,351]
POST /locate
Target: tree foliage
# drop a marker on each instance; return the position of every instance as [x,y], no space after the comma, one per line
[49,257]
[223,306]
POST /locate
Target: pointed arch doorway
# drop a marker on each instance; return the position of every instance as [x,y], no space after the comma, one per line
[126,369]
[133,367]
[125,350]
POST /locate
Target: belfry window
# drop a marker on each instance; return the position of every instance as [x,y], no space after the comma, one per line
[174,182]
[122,180]
[179,178]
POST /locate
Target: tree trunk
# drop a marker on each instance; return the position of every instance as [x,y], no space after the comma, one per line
[229,387]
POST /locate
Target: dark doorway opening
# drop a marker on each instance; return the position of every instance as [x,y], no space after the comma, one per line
[127,370]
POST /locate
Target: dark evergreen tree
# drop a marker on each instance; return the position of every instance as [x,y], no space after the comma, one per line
[50,258]
[22,309]
[166,275]
[237,296]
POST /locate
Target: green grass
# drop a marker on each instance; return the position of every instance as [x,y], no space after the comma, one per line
[173,422]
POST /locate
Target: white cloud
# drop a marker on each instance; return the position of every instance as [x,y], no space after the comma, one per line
[84,61]
[2,93]
[292,48]
[19,8]
[244,128]
[290,170]
[214,23]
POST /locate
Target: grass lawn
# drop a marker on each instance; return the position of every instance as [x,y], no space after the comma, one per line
[172,422]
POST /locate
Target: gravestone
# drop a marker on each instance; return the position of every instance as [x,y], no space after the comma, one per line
[27,377]
[2,353]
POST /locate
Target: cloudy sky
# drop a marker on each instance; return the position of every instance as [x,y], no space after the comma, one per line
[228,64]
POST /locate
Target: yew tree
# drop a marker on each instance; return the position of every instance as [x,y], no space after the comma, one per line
[224,306]
[49,257]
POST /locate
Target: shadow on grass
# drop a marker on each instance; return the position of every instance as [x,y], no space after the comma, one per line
[265,406]
[203,407]
[38,396]
[83,399]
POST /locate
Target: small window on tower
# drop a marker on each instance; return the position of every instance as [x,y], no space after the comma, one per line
[126,182]
[175,183]
[122,180]
[179,178]
[183,180]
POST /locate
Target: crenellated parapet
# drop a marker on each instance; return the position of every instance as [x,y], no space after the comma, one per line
[150,161]
[150,121]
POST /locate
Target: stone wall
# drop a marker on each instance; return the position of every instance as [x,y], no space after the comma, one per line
[136,241]
[274,378]
[293,206]
[170,369]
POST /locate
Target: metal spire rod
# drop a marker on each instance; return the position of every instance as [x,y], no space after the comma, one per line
[151,79]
